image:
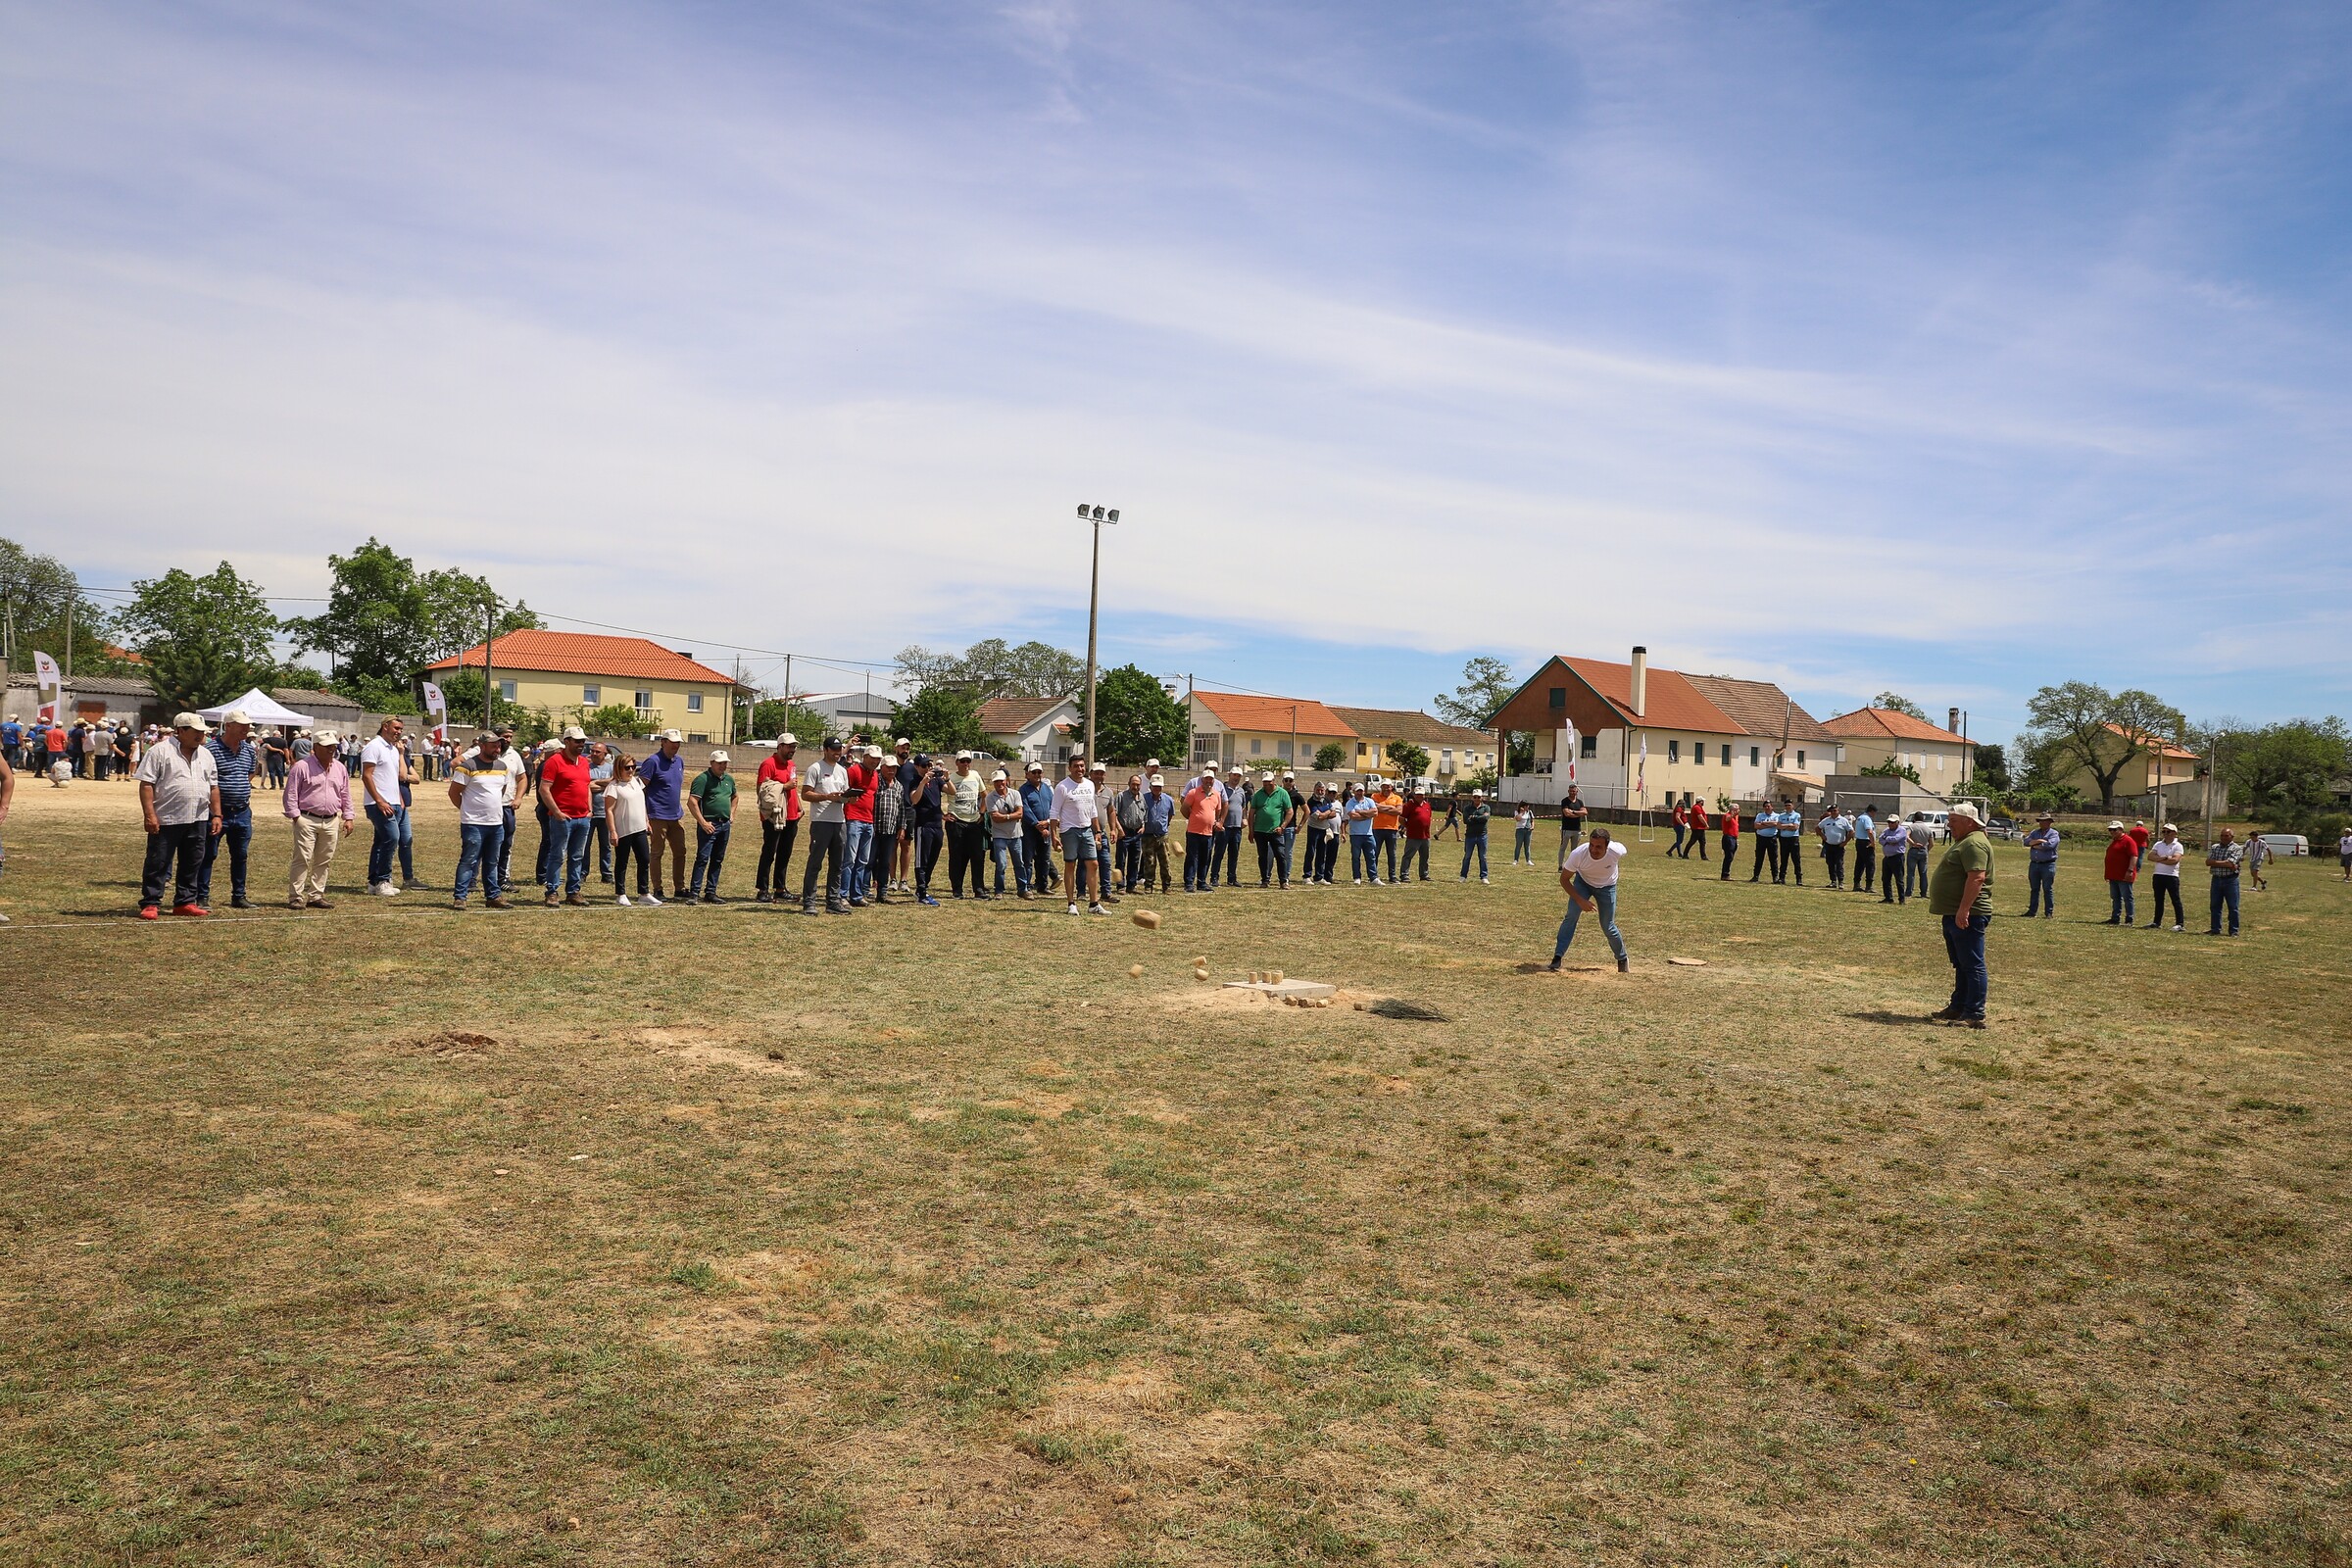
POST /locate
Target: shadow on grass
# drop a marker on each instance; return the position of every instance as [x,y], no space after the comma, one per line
[1881,1015]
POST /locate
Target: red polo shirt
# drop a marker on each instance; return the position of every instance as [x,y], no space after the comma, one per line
[566,783]
[1417,812]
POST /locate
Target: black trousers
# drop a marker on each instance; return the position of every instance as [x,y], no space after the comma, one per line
[1835,853]
[1731,849]
[180,842]
[967,854]
[824,864]
[1866,862]
[2166,886]
[1696,841]
[1768,855]
[927,838]
[1793,855]
[776,854]
[1043,875]
[640,846]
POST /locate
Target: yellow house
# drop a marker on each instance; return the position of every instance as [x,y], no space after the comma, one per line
[571,674]
[1453,752]
[2160,766]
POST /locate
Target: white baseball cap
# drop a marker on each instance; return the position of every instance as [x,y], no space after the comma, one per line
[325,737]
[1159,783]
[964,756]
[1099,768]
[235,715]
[673,736]
[573,732]
[1970,811]
[1000,777]
[719,757]
[901,740]
[788,738]
[190,721]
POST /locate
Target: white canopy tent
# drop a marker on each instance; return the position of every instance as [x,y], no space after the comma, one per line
[262,710]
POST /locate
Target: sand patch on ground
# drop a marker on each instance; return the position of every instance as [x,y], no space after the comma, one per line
[1216,998]
[711,1050]
[763,1289]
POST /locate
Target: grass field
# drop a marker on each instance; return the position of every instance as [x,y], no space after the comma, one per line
[392,1234]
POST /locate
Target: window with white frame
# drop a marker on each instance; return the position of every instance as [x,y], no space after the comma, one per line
[645,702]
[1673,751]
[693,702]
[1755,757]
[506,689]
[592,697]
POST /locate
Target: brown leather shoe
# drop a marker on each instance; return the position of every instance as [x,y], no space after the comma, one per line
[575,897]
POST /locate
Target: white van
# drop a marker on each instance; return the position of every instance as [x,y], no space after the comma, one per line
[1937,826]
[2284,843]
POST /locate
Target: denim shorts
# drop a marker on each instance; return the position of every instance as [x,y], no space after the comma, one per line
[1077,843]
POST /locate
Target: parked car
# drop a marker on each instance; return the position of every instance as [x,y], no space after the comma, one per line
[2002,827]
[1937,825]
[2284,843]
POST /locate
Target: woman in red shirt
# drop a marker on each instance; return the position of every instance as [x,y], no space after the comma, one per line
[1699,831]
[2122,869]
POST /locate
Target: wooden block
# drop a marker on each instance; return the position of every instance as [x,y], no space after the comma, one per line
[1148,919]
[1689,964]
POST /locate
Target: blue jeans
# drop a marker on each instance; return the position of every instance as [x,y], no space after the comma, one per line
[1916,862]
[569,838]
[1604,910]
[236,831]
[857,860]
[506,849]
[1001,850]
[407,839]
[380,852]
[1478,842]
[1227,857]
[1523,846]
[1965,947]
[1383,839]
[1196,857]
[1363,857]
[2119,902]
[478,843]
[2225,892]
[2041,888]
[710,857]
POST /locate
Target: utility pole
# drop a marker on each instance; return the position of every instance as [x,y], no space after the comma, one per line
[1094,602]
[489,637]
[68,638]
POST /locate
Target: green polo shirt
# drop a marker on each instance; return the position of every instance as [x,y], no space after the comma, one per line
[717,792]
[1951,876]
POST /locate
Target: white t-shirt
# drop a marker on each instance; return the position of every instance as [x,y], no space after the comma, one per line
[624,803]
[381,759]
[826,778]
[1073,803]
[1597,870]
[2166,857]
[484,789]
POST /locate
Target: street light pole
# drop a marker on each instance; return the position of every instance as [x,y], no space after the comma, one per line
[1094,601]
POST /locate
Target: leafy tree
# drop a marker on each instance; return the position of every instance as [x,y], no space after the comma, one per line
[303,677]
[464,690]
[1891,768]
[774,716]
[1486,686]
[2080,726]
[38,596]
[941,718]
[1331,757]
[1412,760]
[385,620]
[1523,751]
[992,667]
[1897,702]
[612,721]
[1138,718]
[204,639]
[1993,767]
[2285,773]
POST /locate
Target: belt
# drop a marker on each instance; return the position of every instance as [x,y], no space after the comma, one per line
[321,816]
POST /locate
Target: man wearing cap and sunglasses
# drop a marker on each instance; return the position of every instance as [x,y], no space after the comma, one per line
[828,787]
[179,798]
[235,759]
[565,785]
[1074,815]
[2041,868]
[1961,891]
[317,802]
[1036,828]
[665,776]
[967,833]
[778,786]
[1004,838]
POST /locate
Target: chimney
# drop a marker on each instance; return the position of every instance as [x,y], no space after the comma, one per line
[1952,721]
[1640,681]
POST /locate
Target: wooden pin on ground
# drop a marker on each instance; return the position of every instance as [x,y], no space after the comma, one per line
[1134,971]
[1148,919]
[1689,964]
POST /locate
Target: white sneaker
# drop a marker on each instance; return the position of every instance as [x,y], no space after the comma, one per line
[1073,909]
[622,901]
[386,890]
[1356,881]
[648,900]
[1483,879]
[1092,908]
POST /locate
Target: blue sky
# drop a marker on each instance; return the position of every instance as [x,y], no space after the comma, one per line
[1949,349]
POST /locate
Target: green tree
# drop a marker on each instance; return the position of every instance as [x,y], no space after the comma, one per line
[2078,725]
[1891,768]
[992,667]
[462,688]
[943,718]
[1412,760]
[1897,702]
[612,721]
[204,639]
[772,717]
[1993,767]
[39,597]
[1331,757]
[385,620]
[1486,686]
[2283,774]
[1138,718]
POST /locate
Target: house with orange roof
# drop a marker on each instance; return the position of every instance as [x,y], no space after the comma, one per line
[1941,757]
[1649,737]
[570,674]
[2161,765]
[1233,729]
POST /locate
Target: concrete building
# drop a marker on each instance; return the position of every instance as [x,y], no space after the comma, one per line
[1647,737]
[1453,751]
[570,673]
[1943,758]
[112,697]
[1262,731]
[1032,730]
[845,711]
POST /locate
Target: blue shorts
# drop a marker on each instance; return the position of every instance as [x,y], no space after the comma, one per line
[1077,843]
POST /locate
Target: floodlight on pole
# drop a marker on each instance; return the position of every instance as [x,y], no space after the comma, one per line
[1098,515]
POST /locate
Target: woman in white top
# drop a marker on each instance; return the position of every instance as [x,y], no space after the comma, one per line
[624,813]
[2163,860]
[1523,834]
[1589,875]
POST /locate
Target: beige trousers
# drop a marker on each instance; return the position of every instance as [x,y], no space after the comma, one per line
[314,852]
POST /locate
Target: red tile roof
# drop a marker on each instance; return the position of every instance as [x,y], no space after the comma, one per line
[1012,715]
[2168,748]
[1884,723]
[1273,716]
[580,653]
[1410,724]
[1671,702]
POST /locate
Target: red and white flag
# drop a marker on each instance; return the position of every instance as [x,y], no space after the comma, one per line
[49,686]
[1575,744]
[1642,770]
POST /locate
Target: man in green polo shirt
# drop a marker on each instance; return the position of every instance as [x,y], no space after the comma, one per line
[1960,893]
[711,799]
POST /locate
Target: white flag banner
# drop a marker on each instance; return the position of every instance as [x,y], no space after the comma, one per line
[1642,770]
[436,712]
[49,686]
[1576,744]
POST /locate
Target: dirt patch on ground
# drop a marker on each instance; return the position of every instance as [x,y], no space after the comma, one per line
[1215,998]
[457,1043]
[713,1051]
[760,1290]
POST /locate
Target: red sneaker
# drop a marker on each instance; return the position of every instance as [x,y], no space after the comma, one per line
[192,909]
[148,912]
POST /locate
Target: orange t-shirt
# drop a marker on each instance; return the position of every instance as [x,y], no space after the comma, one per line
[1387,811]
